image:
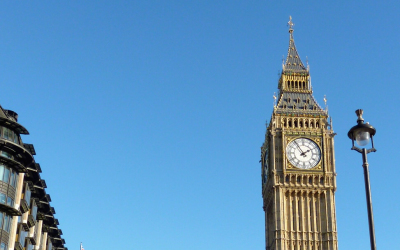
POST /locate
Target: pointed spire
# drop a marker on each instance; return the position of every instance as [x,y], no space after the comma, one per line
[293,61]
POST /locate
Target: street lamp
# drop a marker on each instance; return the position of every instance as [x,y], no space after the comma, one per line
[362,133]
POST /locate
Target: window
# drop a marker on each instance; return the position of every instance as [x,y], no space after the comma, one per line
[13,180]
[6,154]
[1,171]
[27,195]
[2,198]
[16,138]
[49,244]
[7,134]
[10,202]
[3,246]
[6,176]
[22,235]
[34,209]
[7,222]
[1,220]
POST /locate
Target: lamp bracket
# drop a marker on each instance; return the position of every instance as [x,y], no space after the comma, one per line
[359,150]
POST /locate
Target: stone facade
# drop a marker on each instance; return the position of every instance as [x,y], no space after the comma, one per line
[298,165]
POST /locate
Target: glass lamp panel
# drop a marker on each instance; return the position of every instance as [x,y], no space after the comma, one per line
[362,138]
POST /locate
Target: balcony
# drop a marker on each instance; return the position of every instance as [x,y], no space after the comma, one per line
[31,221]
[18,246]
[24,207]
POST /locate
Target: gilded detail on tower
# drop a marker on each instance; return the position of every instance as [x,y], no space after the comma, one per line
[298,165]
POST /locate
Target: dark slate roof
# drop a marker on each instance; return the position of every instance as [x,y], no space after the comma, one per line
[294,102]
[293,62]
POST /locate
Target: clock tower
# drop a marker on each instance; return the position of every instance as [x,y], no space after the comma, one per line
[298,165]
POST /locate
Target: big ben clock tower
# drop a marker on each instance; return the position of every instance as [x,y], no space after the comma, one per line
[298,165]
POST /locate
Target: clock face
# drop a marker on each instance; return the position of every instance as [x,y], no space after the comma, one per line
[303,153]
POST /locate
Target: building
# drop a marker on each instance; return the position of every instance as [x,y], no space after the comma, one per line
[27,220]
[298,165]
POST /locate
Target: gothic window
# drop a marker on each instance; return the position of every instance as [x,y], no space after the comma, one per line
[311,217]
[306,124]
[299,213]
[290,123]
[301,123]
[294,215]
[317,124]
[321,181]
[298,179]
[287,178]
[317,215]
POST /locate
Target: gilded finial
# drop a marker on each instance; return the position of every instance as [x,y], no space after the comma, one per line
[290,24]
[308,66]
[326,106]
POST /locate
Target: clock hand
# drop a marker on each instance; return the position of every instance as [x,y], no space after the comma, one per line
[304,153]
[299,148]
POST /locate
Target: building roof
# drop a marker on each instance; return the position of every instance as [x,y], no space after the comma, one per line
[293,102]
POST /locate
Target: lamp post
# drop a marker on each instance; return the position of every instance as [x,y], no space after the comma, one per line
[362,133]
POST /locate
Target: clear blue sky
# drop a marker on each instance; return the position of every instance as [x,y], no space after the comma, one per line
[148,116]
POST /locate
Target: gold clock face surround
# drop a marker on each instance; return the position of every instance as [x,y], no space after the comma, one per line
[303,153]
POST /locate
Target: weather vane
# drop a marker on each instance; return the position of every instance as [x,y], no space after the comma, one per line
[290,23]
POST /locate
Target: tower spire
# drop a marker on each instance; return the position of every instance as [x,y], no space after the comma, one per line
[293,62]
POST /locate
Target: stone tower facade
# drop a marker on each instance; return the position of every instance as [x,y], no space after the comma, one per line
[298,165]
